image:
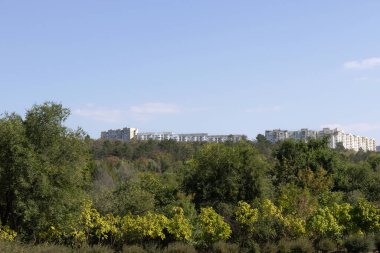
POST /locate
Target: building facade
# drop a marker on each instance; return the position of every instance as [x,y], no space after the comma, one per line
[336,136]
[276,135]
[127,134]
[194,137]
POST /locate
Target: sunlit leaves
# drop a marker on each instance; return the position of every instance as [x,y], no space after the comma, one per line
[212,226]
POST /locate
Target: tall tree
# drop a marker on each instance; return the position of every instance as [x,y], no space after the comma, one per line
[226,173]
[44,168]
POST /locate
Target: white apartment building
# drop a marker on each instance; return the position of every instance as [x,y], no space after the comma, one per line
[195,137]
[127,134]
[349,141]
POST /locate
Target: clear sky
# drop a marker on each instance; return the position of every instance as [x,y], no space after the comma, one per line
[213,66]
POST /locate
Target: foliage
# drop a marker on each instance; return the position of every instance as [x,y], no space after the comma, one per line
[133,249]
[302,163]
[211,226]
[323,223]
[223,247]
[296,201]
[270,224]
[366,216]
[92,227]
[326,245]
[300,245]
[356,244]
[59,186]
[44,171]
[139,227]
[226,173]
[246,216]
[7,234]
[179,226]
[178,247]
[377,241]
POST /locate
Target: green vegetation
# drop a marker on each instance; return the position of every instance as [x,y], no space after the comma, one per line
[63,192]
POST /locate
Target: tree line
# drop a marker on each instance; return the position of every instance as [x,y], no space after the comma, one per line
[59,186]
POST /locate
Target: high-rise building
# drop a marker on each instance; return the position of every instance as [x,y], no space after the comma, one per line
[125,134]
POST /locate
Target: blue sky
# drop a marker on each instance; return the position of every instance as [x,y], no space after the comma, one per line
[212,66]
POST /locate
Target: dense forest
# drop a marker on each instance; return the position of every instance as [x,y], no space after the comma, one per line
[62,191]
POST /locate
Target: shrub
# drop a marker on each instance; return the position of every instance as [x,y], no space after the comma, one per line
[49,248]
[326,245]
[152,247]
[249,246]
[223,247]
[270,248]
[356,244]
[212,226]
[180,247]
[95,249]
[377,242]
[301,245]
[133,249]
[7,234]
[12,247]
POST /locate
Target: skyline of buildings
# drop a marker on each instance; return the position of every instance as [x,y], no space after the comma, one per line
[336,136]
[127,134]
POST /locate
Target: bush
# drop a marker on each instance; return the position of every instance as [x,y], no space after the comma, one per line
[377,242]
[12,247]
[301,245]
[249,246]
[133,249]
[152,247]
[17,247]
[223,247]
[95,249]
[180,247]
[356,244]
[49,248]
[326,245]
[270,248]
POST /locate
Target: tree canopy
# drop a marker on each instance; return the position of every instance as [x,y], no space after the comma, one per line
[60,186]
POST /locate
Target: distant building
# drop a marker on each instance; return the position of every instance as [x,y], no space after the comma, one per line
[349,141]
[280,135]
[276,135]
[378,148]
[127,134]
[194,137]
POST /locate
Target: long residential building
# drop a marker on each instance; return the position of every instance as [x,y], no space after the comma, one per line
[336,136]
[127,134]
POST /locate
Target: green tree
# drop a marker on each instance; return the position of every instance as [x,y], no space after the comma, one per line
[306,164]
[226,173]
[18,165]
[44,170]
